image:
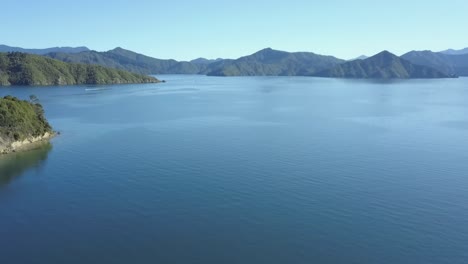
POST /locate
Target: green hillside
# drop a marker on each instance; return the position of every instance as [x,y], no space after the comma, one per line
[27,69]
[274,63]
[384,65]
[127,60]
[21,119]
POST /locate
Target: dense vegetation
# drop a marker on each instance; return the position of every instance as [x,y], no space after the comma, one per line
[450,64]
[27,69]
[122,59]
[384,65]
[21,119]
[274,62]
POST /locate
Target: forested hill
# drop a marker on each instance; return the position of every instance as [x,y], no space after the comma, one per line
[20,120]
[28,69]
[451,64]
[127,60]
[383,65]
[274,62]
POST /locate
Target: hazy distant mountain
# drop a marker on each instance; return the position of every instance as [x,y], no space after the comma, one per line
[362,57]
[204,61]
[4,48]
[455,52]
[131,61]
[384,65]
[449,64]
[273,62]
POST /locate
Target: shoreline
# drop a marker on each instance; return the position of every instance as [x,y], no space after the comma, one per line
[26,144]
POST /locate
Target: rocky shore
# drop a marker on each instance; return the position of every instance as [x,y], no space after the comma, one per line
[23,145]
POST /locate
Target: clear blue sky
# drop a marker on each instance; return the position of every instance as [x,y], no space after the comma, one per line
[185,30]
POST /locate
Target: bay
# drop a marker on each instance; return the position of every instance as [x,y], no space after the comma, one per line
[242,170]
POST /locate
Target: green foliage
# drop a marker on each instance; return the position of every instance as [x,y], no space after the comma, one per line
[122,59]
[274,63]
[21,119]
[26,69]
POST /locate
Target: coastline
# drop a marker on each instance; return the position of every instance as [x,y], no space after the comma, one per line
[26,144]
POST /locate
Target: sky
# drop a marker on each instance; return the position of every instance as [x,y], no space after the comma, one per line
[186,30]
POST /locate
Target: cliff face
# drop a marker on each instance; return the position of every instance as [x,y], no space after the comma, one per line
[21,123]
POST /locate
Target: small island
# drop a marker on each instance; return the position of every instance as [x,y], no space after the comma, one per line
[22,123]
[27,69]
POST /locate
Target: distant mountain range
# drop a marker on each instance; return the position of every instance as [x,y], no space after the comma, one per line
[362,57]
[384,65]
[455,52]
[204,61]
[264,62]
[5,48]
[414,64]
[454,65]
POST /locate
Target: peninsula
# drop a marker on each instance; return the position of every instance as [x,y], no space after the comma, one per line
[28,69]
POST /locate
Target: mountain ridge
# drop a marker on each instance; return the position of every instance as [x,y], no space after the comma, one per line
[383,65]
[5,48]
[123,59]
[274,62]
[449,64]
[261,63]
[202,60]
[455,52]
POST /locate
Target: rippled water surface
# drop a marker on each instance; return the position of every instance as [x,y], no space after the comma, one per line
[243,170]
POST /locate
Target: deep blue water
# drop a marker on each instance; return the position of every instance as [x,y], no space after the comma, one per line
[243,170]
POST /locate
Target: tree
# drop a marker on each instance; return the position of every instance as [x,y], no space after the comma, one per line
[33,99]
